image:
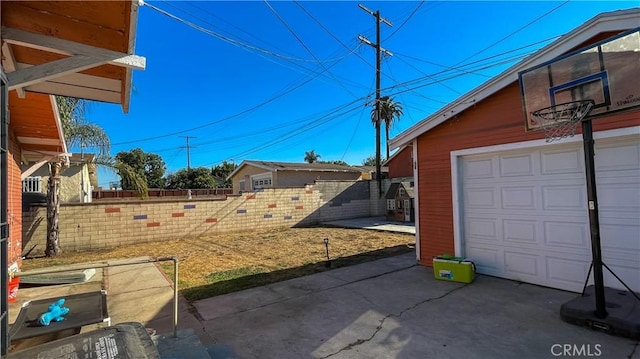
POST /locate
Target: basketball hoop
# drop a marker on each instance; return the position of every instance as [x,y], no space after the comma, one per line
[560,121]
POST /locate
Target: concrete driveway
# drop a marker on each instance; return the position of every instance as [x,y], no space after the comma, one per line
[392,308]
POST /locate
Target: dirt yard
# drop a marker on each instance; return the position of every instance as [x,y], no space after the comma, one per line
[228,262]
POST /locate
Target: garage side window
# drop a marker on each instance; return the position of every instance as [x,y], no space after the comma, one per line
[263,180]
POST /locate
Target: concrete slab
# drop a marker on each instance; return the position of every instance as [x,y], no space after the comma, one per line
[140,293]
[375,223]
[406,313]
[383,266]
[389,308]
[186,345]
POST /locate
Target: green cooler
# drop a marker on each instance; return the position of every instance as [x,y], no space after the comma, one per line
[454,269]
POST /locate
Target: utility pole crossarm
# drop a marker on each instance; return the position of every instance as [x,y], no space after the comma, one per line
[367,42]
[374,14]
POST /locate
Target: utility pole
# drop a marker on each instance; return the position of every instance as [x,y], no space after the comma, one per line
[377,108]
[188,150]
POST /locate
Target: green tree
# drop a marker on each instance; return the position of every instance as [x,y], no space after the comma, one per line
[79,134]
[223,170]
[191,178]
[150,166]
[369,161]
[311,156]
[390,113]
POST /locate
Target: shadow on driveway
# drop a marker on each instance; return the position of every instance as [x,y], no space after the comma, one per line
[392,308]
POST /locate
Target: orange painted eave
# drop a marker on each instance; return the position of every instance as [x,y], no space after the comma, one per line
[104,24]
[35,118]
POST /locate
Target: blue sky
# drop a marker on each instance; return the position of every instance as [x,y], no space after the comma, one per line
[271,80]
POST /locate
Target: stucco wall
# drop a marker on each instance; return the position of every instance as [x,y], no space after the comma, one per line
[100,225]
[245,173]
[70,182]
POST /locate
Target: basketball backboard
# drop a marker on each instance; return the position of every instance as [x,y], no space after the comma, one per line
[607,73]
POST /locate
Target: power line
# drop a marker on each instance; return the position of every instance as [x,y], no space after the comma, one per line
[289,59]
[515,32]
[286,91]
[306,47]
[228,39]
[406,20]
[246,111]
[454,76]
[298,131]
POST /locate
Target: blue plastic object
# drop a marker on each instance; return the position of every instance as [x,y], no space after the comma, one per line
[56,313]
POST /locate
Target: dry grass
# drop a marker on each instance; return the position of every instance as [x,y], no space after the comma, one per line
[232,261]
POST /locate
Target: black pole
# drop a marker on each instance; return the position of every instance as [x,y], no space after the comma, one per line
[596,253]
[377,108]
[4,225]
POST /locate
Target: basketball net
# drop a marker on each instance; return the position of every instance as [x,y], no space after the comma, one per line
[560,121]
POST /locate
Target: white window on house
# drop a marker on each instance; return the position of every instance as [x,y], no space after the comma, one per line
[391,204]
[263,180]
[32,184]
[242,186]
[401,192]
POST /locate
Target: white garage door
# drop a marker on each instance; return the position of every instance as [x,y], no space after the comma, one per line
[524,213]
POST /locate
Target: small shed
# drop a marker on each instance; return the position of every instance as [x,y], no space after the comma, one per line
[400,202]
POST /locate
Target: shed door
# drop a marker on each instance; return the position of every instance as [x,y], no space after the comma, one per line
[407,210]
[525,215]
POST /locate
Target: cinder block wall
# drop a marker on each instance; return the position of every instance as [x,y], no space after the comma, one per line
[98,225]
[342,199]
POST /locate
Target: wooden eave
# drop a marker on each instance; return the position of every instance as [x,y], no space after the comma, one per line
[35,126]
[81,49]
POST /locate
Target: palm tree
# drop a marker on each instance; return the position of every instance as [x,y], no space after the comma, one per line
[390,112]
[80,134]
[311,156]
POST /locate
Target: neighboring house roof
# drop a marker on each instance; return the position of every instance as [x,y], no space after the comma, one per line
[395,186]
[614,21]
[81,158]
[294,166]
[371,169]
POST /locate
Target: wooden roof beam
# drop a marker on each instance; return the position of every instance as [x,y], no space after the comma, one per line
[70,48]
[9,63]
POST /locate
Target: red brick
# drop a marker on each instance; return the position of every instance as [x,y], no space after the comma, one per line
[309,191]
[252,196]
[211,220]
[153,224]
[112,210]
[273,205]
[178,214]
[299,207]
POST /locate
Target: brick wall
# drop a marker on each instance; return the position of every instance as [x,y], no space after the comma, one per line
[104,224]
[14,201]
